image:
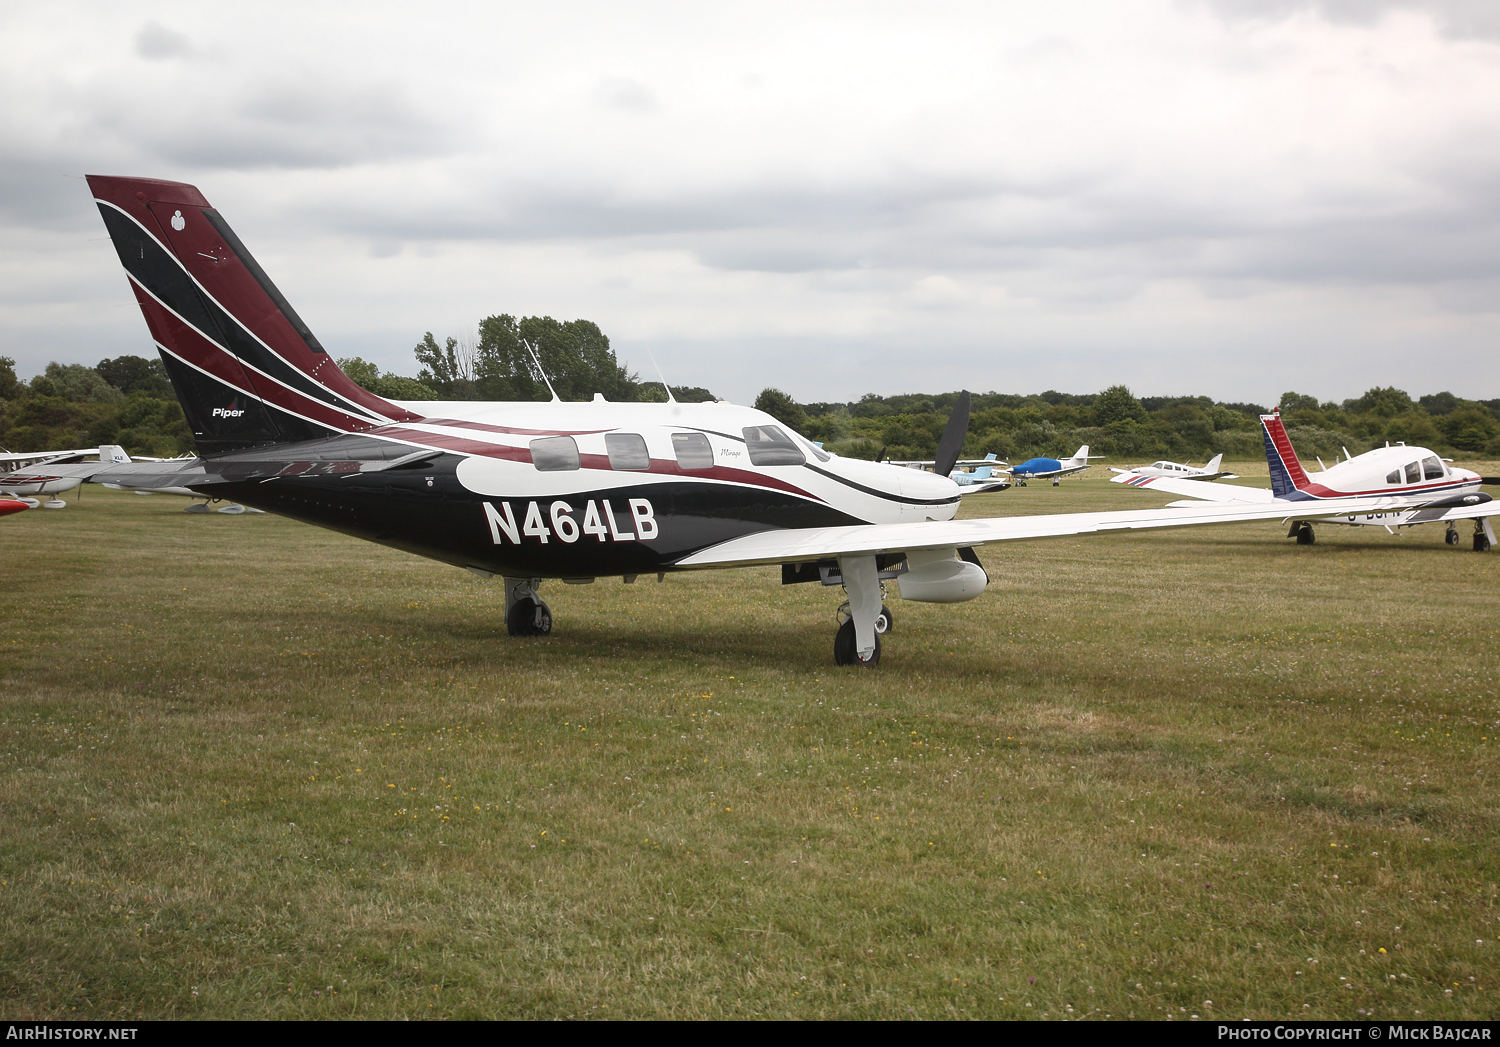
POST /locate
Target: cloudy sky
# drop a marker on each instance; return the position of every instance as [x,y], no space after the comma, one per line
[1221,197]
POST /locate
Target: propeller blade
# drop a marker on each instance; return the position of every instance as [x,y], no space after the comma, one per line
[881,456]
[953,436]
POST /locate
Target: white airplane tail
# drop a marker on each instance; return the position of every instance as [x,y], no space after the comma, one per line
[113,454]
[1213,463]
[1081,457]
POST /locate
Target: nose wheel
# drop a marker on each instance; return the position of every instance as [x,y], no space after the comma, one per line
[1452,536]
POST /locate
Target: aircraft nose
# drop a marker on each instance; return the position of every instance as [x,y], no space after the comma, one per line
[923,486]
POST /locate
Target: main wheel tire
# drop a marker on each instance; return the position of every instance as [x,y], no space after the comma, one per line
[843,648]
[886,622]
[1305,535]
[1481,542]
[1452,537]
[528,617]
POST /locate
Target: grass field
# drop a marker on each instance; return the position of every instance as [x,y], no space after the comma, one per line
[253,769]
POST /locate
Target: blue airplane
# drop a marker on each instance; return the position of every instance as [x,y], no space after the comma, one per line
[1042,468]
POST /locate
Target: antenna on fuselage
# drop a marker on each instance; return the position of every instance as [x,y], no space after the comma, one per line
[543,373]
[652,356]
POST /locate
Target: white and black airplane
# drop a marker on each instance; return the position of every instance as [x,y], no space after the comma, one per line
[531,491]
[1392,487]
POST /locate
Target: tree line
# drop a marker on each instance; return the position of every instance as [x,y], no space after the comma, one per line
[128,401]
[1121,425]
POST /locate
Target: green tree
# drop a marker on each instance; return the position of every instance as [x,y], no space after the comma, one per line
[361,372]
[1116,404]
[783,408]
[10,388]
[136,374]
[575,355]
[1297,402]
[1387,402]
[448,368]
[82,385]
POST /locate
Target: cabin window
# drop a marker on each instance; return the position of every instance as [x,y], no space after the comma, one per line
[768,445]
[1432,468]
[1413,473]
[693,451]
[627,451]
[554,454]
[1393,477]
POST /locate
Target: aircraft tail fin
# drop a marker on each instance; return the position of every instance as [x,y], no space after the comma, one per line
[246,368]
[114,454]
[1214,463]
[1287,475]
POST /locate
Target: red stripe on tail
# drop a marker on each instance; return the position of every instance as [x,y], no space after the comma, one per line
[1283,444]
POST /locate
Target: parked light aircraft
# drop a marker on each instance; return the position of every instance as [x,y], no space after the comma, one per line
[973,475]
[1042,468]
[1210,471]
[530,491]
[1395,487]
[56,473]
[68,473]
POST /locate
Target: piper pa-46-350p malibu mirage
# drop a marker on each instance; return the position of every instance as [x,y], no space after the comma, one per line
[530,491]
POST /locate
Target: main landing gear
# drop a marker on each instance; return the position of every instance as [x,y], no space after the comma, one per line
[1483,536]
[1452,537]
[858,640]
[525,613]
[1302,531]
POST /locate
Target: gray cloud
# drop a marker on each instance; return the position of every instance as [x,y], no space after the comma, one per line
[1462,19]
[1068,196]
[155,42]
[621,92]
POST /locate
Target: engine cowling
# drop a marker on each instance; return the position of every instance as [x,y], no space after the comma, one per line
[939,576]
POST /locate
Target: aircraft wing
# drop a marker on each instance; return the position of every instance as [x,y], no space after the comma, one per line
[36,458]
[982,486]
[1205,490]
[826,543]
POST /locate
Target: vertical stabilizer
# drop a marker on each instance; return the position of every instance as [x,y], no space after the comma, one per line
[1288,478]
[245,367]
[1214,463]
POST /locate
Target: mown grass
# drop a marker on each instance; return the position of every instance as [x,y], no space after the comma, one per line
[253,769]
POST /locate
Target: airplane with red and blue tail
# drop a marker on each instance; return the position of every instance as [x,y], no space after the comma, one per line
[1394,486]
